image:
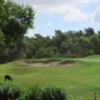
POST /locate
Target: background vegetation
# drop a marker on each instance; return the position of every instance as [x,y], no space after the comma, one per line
[16,19]
[63,44]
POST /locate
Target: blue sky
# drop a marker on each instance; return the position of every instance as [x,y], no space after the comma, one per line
[64,15]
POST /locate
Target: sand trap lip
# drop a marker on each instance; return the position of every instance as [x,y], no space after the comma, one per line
[52,63]
[46,64]
[67,62]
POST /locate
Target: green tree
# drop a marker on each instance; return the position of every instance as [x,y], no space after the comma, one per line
[2,47]
[15,20]
[89,31]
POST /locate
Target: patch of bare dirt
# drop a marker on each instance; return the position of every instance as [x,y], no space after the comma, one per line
[67,62]
[52,63]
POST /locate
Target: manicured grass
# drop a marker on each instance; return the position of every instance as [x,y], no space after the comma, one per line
[79,80]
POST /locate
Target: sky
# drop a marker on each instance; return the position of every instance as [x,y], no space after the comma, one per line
[63,15]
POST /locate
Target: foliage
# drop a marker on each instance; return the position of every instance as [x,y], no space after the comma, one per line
[32,94]
[63,44]
[14,93]
[45,94]
[52,94]
[9,92]
[15,20]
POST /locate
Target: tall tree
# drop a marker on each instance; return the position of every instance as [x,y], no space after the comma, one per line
[15,20]
[89,31]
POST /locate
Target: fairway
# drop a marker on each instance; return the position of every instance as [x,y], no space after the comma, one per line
[78,79]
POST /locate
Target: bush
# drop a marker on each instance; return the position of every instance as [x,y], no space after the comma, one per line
[9,93]
[45,94]
[4,93]
[33,94]
[14,93]
[52,94]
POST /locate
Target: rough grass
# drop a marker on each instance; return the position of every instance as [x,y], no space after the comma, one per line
[79,80]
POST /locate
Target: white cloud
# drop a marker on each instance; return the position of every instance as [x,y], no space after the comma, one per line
[52,2]
[52,5]
[75,14]
[70,8]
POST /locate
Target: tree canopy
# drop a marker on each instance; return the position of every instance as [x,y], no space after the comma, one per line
[64,44]
[15,20]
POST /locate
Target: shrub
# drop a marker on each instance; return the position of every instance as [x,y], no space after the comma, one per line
[33,94]
[4,93]
[9,93]
[14,93]
[52,94]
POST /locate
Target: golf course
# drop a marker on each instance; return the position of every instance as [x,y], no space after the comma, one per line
[49,50]
[79,77]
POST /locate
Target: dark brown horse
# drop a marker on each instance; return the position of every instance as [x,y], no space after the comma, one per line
[8,77]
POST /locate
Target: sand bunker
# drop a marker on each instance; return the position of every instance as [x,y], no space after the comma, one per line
[67,62]
[51,63]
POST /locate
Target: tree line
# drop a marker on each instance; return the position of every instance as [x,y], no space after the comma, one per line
[16,19]
[63,44]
